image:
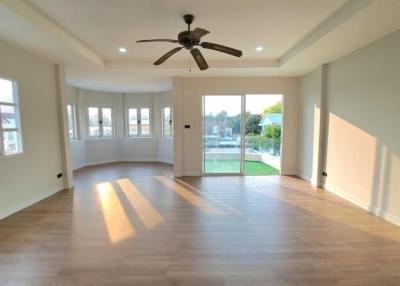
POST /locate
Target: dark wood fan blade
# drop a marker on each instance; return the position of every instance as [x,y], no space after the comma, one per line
[223,49]
[157,40]
[198,57]
[199,32]
[166,56]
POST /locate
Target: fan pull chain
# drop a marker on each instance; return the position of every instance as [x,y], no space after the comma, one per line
[190,64]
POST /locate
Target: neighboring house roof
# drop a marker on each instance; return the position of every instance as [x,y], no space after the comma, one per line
[271,118]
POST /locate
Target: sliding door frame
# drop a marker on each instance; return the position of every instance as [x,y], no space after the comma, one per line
[242,134]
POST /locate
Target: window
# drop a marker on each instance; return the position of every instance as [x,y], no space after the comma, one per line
[71,121]
[10,128]
[133,129]
[139,123]
[145,121]
[167,122]
[100,122]
[107,122]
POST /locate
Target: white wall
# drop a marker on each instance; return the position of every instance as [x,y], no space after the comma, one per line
[77,146]
[362,152]
[90,151]
[31,176]
[107,150]
[309,125]
[166,150]
[187,98]
[78,154]
[165,144]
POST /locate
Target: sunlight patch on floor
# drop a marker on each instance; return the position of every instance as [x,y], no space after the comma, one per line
[117,222]
[187,195]
[210,197]
[146,212]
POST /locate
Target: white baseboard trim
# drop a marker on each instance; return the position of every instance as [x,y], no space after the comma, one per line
[366,206]
[79,166]
[289,172]
[167,161]
[101,162]
[312,181]
[95,163]
[304,177]
[192,173]
[22,205]
[139,160]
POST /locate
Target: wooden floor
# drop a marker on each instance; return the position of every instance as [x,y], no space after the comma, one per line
[133,224]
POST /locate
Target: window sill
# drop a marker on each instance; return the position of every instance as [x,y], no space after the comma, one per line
[12,155]
[140,137]
[101,138]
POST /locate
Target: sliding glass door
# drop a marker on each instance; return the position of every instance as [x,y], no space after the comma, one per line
[222,129]
[263,134]
[242,134]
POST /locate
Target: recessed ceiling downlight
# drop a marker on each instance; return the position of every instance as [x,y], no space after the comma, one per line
[123,50]
[259,49]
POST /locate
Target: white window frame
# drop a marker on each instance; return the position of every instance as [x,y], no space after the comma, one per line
[74,126]
[171,121]
[18,128]
[139,121]
[100,113]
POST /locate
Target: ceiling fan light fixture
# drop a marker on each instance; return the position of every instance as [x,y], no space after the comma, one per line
[191,39]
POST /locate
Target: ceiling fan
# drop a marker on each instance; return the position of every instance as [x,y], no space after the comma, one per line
[190,40]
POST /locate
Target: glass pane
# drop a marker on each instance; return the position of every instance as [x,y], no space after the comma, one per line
[263,134]
[145,121]
[167,122]
[94,129]
[71,128]
[11,142]
[107,122]
[6,91]
[8,116]
[222,134]
[132,122]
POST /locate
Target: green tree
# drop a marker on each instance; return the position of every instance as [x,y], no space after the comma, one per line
[273,135]
[256,142]
[209,117]
[276,108]
[222,115]
[272,131]
[252,121]
[234,123]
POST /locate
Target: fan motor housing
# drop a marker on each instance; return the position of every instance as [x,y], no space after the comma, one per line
[188,18]
[186,39]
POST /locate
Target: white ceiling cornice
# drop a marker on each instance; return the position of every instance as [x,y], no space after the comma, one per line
[43,22]
[345,12]
[297,36]
[183,64]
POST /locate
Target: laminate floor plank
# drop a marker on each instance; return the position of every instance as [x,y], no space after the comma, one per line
[134,224]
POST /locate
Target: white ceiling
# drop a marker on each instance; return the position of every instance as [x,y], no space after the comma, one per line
[105,25]
[297,36]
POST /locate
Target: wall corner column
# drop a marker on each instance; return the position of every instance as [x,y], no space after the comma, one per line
[177,118]
[63,126]
[322,140]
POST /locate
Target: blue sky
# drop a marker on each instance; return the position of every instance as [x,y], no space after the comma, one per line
[255,103]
